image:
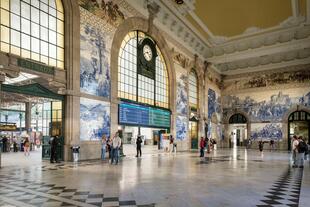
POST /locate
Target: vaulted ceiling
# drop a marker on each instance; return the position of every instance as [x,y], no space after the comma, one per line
[238,36]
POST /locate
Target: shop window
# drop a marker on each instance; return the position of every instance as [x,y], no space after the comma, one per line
[33,30]
[135,87]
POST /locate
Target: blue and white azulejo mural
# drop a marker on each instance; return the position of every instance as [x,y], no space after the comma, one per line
[272,108]
[181,127]
[95,62]
[214,105]
[182,96]
[266,131]
[94,119]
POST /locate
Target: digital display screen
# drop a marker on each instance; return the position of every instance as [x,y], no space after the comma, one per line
[139,115]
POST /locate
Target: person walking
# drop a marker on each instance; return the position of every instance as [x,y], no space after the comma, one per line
[261,146]
[202,145]
[54,143]
[302,148]
[103,146]
[295,150]
[171,144]
[116,143]
[26,147]
[138,143]
[271,145]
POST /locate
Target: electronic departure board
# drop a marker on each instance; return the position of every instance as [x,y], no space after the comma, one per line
[139,115]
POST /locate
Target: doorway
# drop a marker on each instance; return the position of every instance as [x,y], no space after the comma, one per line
[238,131]
[193,131]
[299,125]
[30,112]
[150,139]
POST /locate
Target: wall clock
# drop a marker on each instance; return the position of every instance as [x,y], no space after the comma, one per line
[146,54]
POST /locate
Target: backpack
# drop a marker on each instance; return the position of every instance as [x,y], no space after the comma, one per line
[302,147]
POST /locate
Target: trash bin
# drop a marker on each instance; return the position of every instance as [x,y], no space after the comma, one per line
[75,153]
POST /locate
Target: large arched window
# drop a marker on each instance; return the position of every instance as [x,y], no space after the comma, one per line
[193,90]
[136,87]
[33,29]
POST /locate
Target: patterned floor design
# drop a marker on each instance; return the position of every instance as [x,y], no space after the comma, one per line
[285,191]
[23,192]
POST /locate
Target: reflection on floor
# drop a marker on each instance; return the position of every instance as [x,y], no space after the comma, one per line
[223,178]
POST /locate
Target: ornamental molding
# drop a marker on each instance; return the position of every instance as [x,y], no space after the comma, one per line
[268,88]
[266,39]
[248,75]
[299,54]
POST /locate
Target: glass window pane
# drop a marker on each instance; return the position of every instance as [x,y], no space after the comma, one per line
[15,38]
[43,7]
[52,3]
[44,48]
[25,26]
[60,40]
[5,34]
[15,22]
[35,45]
[15,6]
[52,37]
[52,12]
[25,10]
[60,27]
[5,17]
[26,41]
[52,51]
[43,19]
[35,30]
[35,17]
[60,54]
[52,23]
[44,33]
[35,3]
[5,4]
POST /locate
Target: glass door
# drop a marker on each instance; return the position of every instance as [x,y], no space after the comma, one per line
[193,129]
[52,125]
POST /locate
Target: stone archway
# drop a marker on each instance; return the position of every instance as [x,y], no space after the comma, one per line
[131,24]
[226,124]
[285,124]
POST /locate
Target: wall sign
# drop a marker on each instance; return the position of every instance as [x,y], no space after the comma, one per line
[35,66]
[140,115]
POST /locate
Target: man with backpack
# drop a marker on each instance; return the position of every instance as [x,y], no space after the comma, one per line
[302,149]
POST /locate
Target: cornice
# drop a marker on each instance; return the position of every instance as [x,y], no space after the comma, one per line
[296,68]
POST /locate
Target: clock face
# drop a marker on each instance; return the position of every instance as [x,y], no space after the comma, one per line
[147,52]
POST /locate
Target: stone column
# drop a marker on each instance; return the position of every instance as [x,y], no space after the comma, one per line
[28,116]
[72,66]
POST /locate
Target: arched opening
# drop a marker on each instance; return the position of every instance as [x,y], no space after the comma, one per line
[238,130]
[299,125]
[143,89]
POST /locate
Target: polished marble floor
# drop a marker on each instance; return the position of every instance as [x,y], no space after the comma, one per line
[224,178]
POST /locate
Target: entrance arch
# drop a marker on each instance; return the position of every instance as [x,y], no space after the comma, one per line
[299,125]
[238,130]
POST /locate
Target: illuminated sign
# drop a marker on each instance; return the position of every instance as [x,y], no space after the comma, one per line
[139,115]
